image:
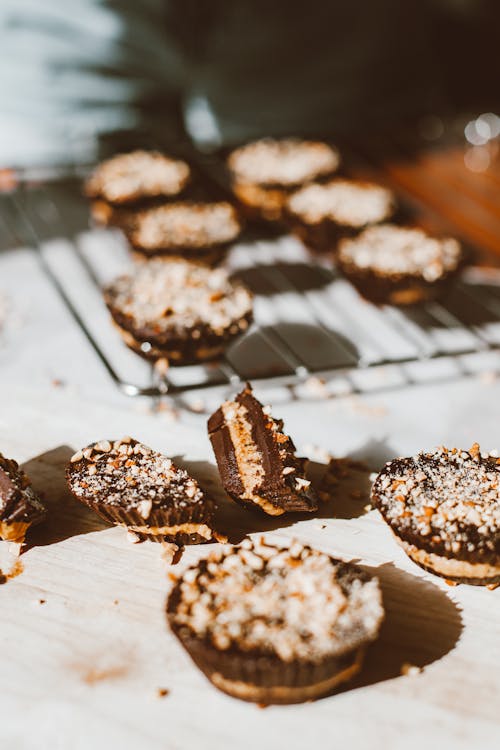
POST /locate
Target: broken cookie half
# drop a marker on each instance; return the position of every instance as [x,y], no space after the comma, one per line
[20,507]
[129,484]
[256,459]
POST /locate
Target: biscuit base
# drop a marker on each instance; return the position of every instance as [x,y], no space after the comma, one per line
[286,694]
[451,569]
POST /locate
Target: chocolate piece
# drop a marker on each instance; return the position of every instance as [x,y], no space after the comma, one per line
[275,625]
[266,171]
[20,507]
[444,509]
[179,311]
[129,484]
[321,214]
[139,175]
[399,265]
[189,230]
[256,460]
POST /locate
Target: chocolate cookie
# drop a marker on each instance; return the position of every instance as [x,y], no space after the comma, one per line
[127,183]
[275,625]
[264,172]
[444,509]
[321,214]
[199,231]
[399,265]
[256,460]
[20,507]
[180,311]
[131,485]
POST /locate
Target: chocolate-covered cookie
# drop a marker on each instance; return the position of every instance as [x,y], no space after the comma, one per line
[180,311]
[444,509]
[127,183]
[129,484]
[199,231]
[20,506]
[275,625]
[263,173]
[399,265]
[321,214]
[256,460]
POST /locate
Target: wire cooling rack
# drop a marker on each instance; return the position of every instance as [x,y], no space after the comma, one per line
[312,331]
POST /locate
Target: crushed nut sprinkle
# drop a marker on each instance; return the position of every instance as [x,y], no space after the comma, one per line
[345,202]
[139,174]
[282,162]
[292,601]
[390,249]
[132,475]
[186,225]
[450,496]
[178,295]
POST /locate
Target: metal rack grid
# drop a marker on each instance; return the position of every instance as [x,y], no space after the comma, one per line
[310,326]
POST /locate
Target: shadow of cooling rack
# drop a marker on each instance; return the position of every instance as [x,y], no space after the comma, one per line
[311,327]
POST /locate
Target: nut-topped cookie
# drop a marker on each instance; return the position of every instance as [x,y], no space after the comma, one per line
[180,311]
[399,265]
[264,172]
[129,484]
[275,624]
[444,509]
[201,231]
[120,186]
[321,214]
[256,459]
[20,506]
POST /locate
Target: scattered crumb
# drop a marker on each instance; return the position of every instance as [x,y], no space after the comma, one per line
[92,675]
[492,586]
[410,670]
[316,387]
[197,405]
[370,410]
[450,583]
[41,601]
[488,378]
[116,602]
[169,552]
[58,383]
[322,526]
[262,705]
[162,692]
[3,578]
[172,576]
[132,537]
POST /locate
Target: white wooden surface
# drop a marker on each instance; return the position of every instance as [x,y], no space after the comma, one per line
[82,669]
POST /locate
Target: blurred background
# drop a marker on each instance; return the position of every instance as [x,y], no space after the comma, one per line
[81,78]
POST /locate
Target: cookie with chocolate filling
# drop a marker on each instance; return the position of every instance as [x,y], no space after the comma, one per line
[194,231]
[256,460]
[129,484]
[179,311]
[275,625]
[321,214]
[121,185]
[444,509]
[399,265]
[20,506]
[265,172]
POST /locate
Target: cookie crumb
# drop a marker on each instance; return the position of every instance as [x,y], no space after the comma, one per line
[410,670]
[162,692]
